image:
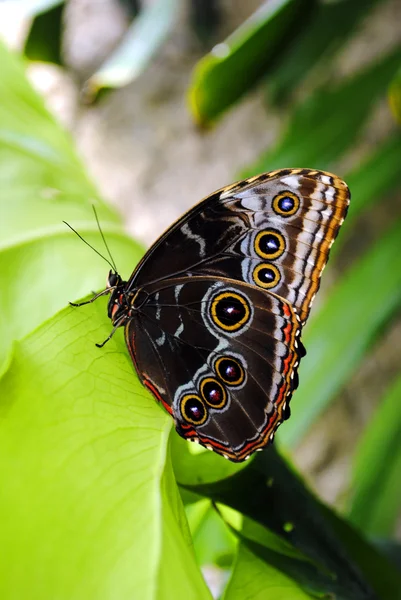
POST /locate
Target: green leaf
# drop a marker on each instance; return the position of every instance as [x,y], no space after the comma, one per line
[42,264]
[270,494]
[254,578]
[214,543]
[44,40]
[141,42]
[329,27]
[329,121]
[376,482]
[379,568]
[341,332]
[281,558]
[91,502]
[194,464]
[234,66]
[390,549]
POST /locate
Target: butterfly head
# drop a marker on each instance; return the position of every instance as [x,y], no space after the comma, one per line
[118,306]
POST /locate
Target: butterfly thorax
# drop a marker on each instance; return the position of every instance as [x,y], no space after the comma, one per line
[117,307]
[124,299]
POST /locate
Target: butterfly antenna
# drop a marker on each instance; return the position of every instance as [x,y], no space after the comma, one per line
[111,258]
[104,239]
[112,265]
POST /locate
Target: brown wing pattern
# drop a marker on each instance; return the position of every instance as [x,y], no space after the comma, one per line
[274,231]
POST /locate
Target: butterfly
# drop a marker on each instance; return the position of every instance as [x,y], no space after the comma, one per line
[213,313]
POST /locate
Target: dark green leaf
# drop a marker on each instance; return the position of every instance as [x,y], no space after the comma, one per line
[380,571]
[330,25]
[270,494]
[390,549]
[234,66]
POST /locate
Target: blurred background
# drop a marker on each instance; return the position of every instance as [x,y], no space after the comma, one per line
[168,100]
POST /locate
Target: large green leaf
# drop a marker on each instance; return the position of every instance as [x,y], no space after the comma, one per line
[327,123]
[234,66]
[42,183]
[376,485]
[340,333]
[91,502]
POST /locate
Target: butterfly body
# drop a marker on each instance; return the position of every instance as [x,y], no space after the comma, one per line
[213,313]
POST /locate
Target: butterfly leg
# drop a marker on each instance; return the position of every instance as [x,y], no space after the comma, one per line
[116,326]
[95,297]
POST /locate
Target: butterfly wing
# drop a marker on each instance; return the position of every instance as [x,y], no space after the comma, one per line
[221,356]
[273,231]
[224,293]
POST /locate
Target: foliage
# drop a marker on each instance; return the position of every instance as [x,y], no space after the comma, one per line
[93,486]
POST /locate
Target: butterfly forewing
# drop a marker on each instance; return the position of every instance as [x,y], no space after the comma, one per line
[273,231]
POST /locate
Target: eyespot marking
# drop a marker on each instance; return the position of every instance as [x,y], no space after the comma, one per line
[269,244]
[285,204]
[229,370]
[266,275]
[230,311]
[193,409]
[213,393]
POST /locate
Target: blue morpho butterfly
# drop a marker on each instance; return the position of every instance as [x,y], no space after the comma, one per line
[213,313]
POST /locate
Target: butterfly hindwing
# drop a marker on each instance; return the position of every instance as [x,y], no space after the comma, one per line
[221,356]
